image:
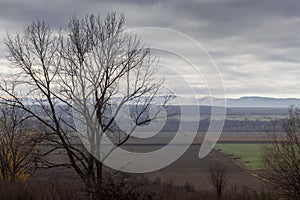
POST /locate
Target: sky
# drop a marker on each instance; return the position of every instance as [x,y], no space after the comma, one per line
[249,47]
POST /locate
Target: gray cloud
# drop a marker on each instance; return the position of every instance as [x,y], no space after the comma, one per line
[254,43]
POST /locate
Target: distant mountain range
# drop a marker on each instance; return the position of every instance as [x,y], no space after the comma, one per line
[250,101]
[253,101]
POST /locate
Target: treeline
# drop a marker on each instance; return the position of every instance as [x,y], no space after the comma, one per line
[230,125]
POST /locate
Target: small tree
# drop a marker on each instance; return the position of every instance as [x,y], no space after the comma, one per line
[218,175]
[282,156]
[18,144]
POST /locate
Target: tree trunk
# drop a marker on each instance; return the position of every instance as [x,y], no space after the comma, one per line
[99,167]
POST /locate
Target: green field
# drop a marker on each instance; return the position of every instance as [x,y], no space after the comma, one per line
[248,155]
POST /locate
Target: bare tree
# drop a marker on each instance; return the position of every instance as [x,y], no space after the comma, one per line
[282,156]
[218,175]
[18,144]
[93,67]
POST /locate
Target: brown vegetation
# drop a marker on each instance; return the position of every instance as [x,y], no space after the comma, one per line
[120,189]
[18,145]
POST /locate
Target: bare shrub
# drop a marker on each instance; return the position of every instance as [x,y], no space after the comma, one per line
[282,156]
[218,175]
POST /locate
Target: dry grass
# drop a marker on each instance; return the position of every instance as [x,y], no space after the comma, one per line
[122,188]
[40,189]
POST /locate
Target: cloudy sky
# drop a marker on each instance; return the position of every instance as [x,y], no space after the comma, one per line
[254,44]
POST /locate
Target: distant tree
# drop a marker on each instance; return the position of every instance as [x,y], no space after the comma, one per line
[18,144]
[92,59]
[282,156]
[218,175]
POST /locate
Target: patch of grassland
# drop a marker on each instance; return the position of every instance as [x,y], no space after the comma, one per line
[248,155]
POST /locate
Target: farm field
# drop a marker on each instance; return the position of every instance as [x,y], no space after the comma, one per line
[187,169]
[249,155]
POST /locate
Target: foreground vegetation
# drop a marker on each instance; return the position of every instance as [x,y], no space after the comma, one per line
[53,189]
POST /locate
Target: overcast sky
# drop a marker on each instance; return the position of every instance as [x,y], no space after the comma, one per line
[255,44]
